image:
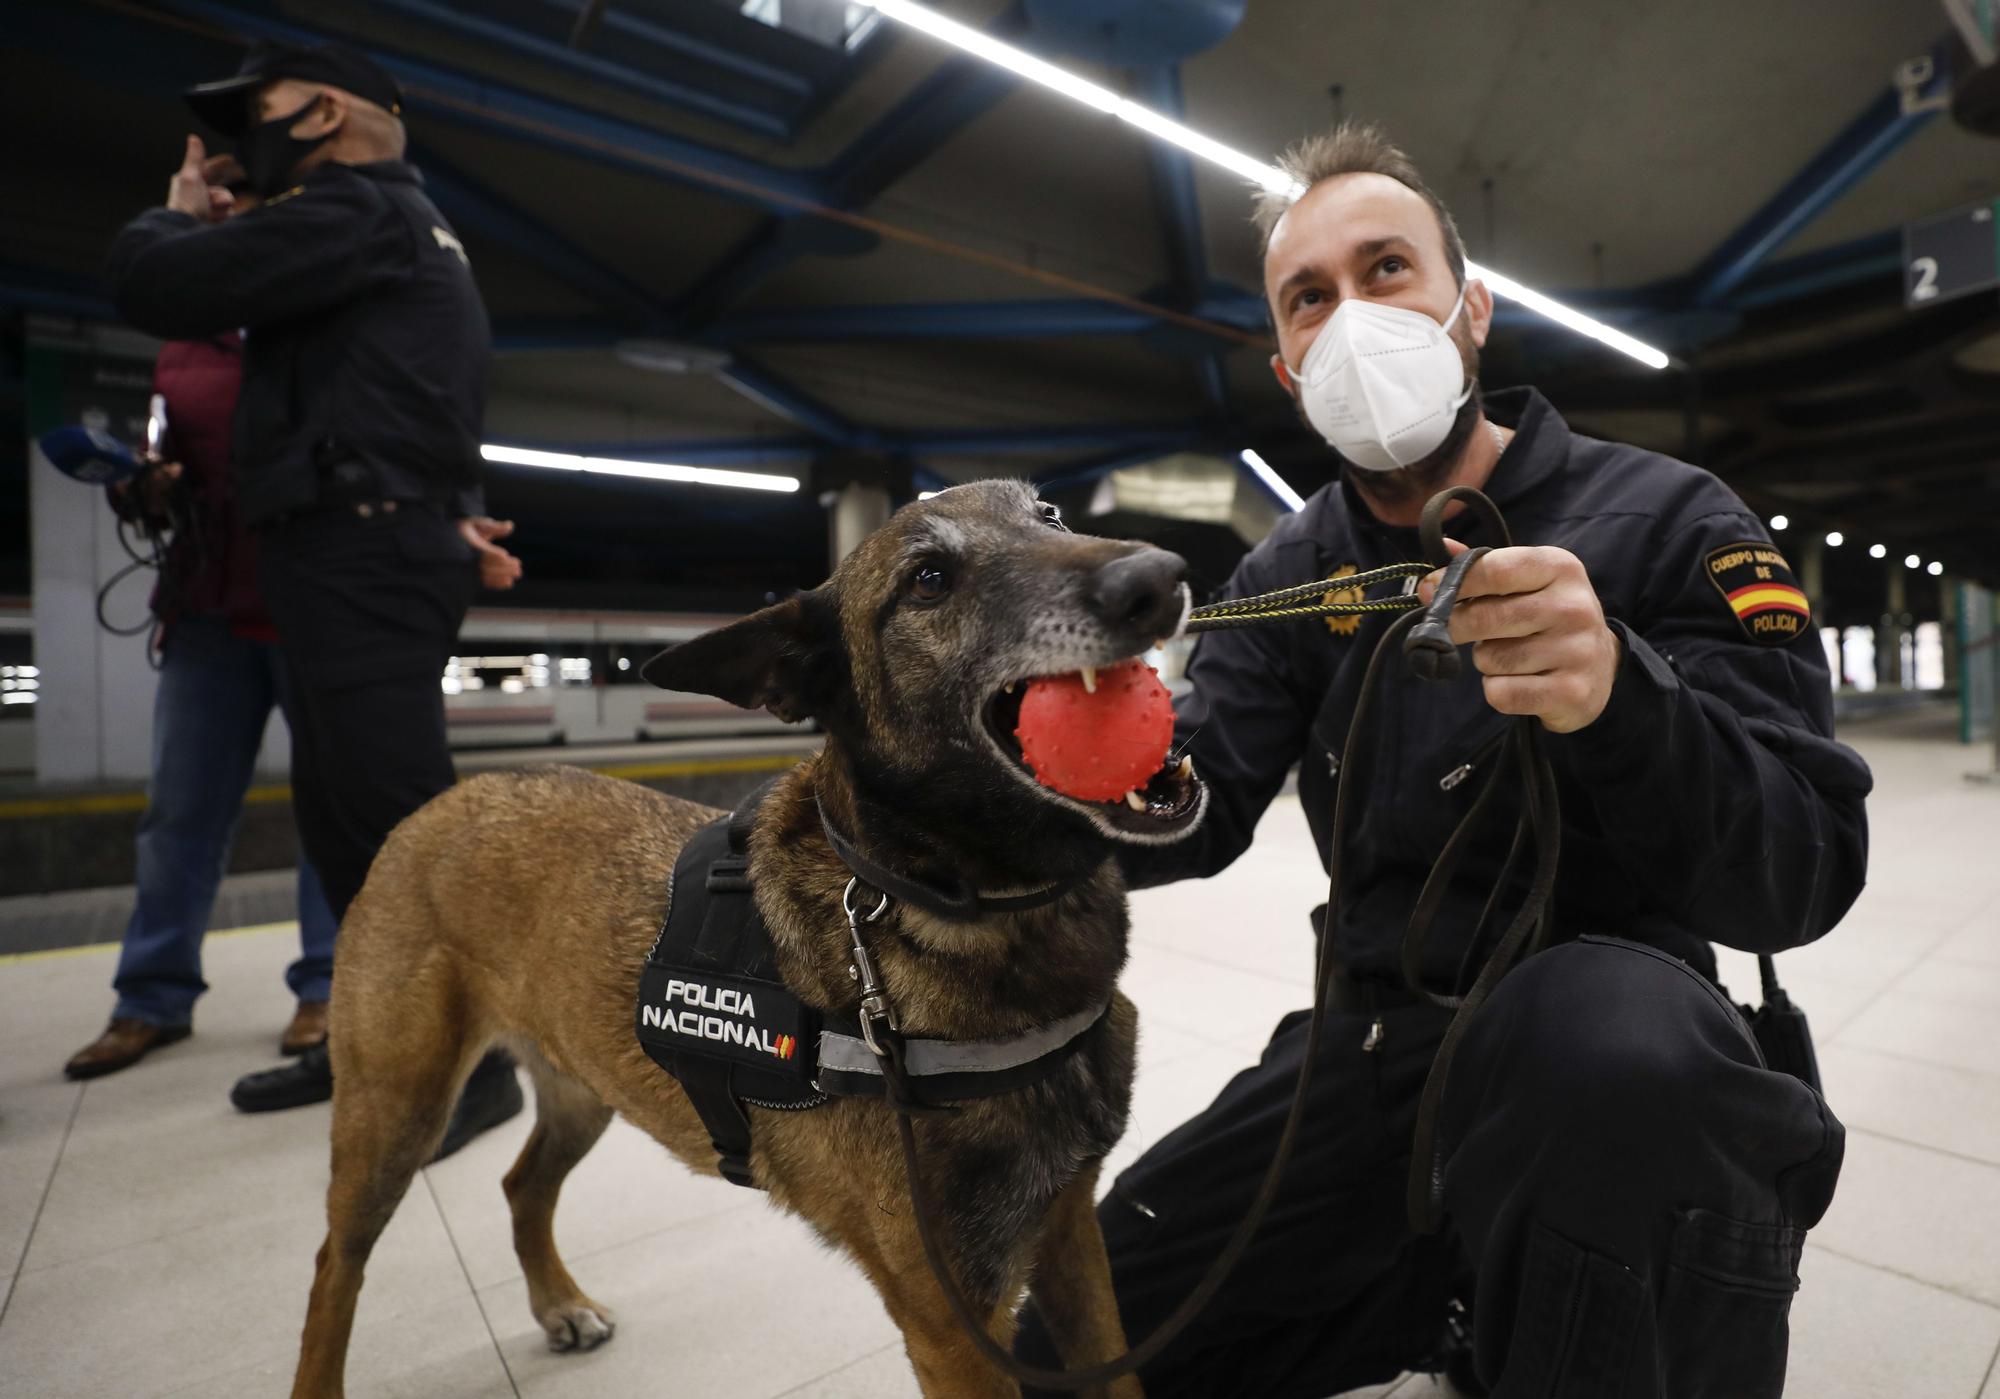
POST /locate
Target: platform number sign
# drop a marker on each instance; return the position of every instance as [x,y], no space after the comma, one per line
[1951,255]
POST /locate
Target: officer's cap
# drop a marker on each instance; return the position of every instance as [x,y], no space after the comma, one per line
[225,103]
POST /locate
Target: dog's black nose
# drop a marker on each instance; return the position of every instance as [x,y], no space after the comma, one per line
[1140,592]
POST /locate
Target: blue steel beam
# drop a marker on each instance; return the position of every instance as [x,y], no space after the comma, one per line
[478,102]
[969,320]
[1179,205]
[1174,193]
[960,90]
[767,390]
[54,293]
[1083,473]
[937,109]
[1031,441]
[1862,145]
[977,320]
[960,320]
[1149,438]
[686,45]
[479,210]
[1879,255]
[769,248]
[760,120]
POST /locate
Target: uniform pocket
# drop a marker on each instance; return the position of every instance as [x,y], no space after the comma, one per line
[1725,1321]
[1574,1324]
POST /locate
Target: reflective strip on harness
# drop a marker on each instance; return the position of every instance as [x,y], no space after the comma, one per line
[846,1054]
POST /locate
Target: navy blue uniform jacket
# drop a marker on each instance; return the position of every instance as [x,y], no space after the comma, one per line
[365,361]
[1709,801]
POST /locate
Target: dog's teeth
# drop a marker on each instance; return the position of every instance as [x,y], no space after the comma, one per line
[1090,679]
[1136,802]
[1187,768]
[1008,687]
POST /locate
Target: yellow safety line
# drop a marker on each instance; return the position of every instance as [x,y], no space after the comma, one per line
[760,762]
[279,792]
[49,954]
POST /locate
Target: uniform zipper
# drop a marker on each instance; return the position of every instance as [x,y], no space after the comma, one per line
[1465,769]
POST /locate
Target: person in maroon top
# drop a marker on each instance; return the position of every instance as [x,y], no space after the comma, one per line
[220,675]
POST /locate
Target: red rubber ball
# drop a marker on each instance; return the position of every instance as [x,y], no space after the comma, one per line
[1097,747]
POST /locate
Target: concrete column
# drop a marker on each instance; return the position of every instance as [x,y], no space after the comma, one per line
[859,509]
[1809,557]
[1812,571]
[1948,630]
[1889,631]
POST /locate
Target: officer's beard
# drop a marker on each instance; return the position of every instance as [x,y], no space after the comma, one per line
[1409,487]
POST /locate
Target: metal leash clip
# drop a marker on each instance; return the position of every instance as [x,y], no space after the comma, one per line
[875,1006]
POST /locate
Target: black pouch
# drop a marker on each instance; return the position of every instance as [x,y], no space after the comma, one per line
[1781,1031]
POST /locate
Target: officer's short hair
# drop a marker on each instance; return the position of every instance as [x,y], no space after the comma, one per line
[1352,148]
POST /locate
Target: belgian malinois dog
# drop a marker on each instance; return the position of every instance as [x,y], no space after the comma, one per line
[518,909]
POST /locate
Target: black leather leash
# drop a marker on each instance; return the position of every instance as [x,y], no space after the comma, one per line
[1432,656]
[1426,636]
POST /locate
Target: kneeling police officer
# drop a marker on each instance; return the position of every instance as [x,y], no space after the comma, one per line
[1626,1184]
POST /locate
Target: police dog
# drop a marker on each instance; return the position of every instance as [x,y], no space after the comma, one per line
[518,908]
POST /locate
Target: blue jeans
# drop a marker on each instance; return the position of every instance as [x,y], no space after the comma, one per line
[215,694]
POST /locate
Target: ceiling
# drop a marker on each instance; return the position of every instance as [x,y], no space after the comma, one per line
[912,259]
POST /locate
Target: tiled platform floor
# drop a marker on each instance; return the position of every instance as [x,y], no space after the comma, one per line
[153,1242]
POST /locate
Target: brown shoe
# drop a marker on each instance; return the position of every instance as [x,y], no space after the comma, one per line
[123,1044]
[307,1029]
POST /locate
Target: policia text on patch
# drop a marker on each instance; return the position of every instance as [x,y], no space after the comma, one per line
[734,1021]
[1758,585]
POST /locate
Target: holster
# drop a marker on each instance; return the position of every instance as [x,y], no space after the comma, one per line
[1781,1031]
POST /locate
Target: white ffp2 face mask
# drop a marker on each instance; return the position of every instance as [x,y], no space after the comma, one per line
[1382,384]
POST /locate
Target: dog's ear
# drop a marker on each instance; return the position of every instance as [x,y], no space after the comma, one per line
[786,659]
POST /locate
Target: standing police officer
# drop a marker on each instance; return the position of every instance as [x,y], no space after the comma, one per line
[357,447]
[1626,1185]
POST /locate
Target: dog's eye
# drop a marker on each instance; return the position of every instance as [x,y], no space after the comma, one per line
[930,582]
[1052,516]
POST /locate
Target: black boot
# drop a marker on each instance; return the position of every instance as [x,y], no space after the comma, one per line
[307,1079]
[492,1095]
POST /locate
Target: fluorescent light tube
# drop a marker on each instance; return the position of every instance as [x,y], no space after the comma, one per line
[644,470]
[1293,500]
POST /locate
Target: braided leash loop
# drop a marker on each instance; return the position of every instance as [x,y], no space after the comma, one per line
[1306,600]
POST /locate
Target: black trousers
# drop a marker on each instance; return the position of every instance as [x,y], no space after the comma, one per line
[367,609]
[1627,1187]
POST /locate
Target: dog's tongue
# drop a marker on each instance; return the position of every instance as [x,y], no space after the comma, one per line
[1098,746]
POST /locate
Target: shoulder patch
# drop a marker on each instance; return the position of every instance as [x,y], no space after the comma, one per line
[1758,587]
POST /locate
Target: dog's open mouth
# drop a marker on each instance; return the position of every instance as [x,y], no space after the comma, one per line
[1166,800]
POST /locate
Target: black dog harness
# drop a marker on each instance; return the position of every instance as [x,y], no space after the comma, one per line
[713,1011]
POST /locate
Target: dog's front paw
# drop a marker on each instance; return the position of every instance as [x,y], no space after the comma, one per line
[578,1325]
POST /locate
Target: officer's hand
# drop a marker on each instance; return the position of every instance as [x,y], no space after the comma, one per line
[498,569]
[190,192]
[1537,634]
[150,492]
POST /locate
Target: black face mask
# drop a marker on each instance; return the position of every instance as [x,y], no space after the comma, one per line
[270,153]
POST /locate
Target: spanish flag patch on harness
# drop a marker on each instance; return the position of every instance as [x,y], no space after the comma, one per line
[1758,585]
